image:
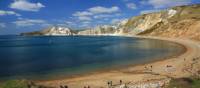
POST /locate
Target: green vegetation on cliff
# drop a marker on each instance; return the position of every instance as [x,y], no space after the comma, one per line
[20,84]
[184,83]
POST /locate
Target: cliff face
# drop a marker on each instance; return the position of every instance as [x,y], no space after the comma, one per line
[99,30]
[63,31]
[145,22]
[181,21]
[58,31]
[53,31]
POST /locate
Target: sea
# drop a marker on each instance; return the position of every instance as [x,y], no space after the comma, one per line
[52,57]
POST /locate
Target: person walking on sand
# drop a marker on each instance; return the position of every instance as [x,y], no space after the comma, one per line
[108,84]
[65,86]
[125,86]
[61,86]
[120,81]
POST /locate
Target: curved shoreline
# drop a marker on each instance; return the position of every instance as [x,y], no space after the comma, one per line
[99,79]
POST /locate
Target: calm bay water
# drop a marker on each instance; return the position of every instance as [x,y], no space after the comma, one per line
[49,57]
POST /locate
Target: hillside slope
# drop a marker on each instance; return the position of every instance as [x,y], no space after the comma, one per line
[185,22]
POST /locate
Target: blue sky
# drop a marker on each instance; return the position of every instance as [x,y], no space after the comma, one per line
[18,16]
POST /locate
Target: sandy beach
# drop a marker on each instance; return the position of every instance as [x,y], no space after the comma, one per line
[157,73]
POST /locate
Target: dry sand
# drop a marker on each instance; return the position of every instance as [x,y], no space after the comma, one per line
[183,65]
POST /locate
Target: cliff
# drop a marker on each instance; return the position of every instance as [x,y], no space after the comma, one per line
[52,31]
[180,21]
[99,30]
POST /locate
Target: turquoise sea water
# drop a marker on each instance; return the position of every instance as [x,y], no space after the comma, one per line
[50,57]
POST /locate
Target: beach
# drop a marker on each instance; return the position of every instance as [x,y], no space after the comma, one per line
[157,73]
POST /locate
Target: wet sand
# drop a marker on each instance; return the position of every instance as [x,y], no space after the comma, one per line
[179,66]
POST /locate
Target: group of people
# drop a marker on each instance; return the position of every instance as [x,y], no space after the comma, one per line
[68,87]
[65,86]
[148,68]
[86,87]
[110,83]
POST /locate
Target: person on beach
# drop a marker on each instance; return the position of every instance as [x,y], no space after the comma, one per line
[120,81]
[61,86]
[108,83]
[65,86]
[145,67]
[125,86]
[151,68]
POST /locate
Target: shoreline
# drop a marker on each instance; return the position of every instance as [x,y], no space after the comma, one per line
[138,69]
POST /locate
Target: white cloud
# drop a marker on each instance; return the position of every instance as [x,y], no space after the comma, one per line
[84,25]
[114,21]
[143,2]
[100,9]
[99,16]
[84,18]
[96,12]
[84,13]
[26,5]
[167,3]
[70,23]
[29,22]
[148,11]
[63,25]
[86,22]
[102,16]
[131,5]
[3,13]
[2,25]
[45,24]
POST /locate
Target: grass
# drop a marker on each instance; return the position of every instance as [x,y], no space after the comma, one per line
[184,83]
[15,84]
[196,84]
[20,84]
